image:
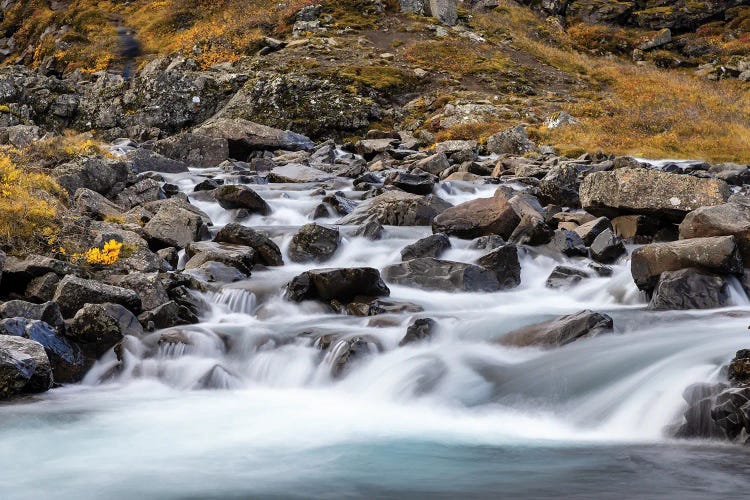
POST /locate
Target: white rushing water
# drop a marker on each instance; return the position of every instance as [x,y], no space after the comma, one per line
[458,415]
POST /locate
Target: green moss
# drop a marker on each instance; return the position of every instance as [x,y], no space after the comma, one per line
[378,77]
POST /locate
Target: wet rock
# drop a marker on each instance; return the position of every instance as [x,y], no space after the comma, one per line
[489,242]
[194,149]
[24,367]
[218,377]
[314,243]
[699,422]
[371,229]
[396,208]
[533,228]
[65,358]
[236,196]
[561,184]
[731,412]
[268,252]
[207,185]
[504,262]
[49,312]
[590,230]
[143,160]
[479,217]
[73,293]
[738,372]
[148,286]
[387,306]
[419,330]
[421,184]
[564,276]
[718,254]
[239,257]
[342,284]
[649,192]
[569,243]
[432,274]
[297,173]
[434,164]
[431,246]
[174,226]
[346,351]
[607,248]
[339,203]
[144,191]
[689,288]
[514,141]
[166,315]
[720,220]
[561,331]
[99,327]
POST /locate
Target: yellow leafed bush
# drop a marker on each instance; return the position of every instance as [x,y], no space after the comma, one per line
[107,255]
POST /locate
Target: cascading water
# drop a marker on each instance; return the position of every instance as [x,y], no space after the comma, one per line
[248,404]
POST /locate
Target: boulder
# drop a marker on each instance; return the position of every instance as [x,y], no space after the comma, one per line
[489,242]
[140,193]
[689,288]
[174,226]
[42,289]
[590,230]
[143,160]
[49,312]
[237,196]
[514,141]
[74,292]
[434,164]
[432,274]
[92,204]
[649,192]
[397,208]
[561,184]
[607,248]
[148,286]
[314,243]
[419,330]
[533,228]
[297,173]
[637,228]
[569,243]
[64,356]
[431,246]
[730,219]
[99,327]
[24,367]
[101,175]
[479,217]
[341,284]
[268,253]
[445,11]
[738,372]
[564,276]
[194,150]
[243,137]
[421,184]
[560,331]
[504,262]
[718,254]
[239,257]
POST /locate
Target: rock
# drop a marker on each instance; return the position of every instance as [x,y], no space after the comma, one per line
[514,141]
[268,253]
[569,243]
[718,254]
[296,173]
[590,230]
[369,148]
[607,247]
[649,192]
[195,150]
[663,37]
[42,289]
[218,377]
[419,330]
[217,272]
[314,243]
[720,220]
[396,208]
[371,229]
[140,193]
[386,306]
[18,273]
[99,327]
[738,372]
[444,11]
[434,164]
[97,174]
[479,217]
[49,312]
[689,288]
[24,367]
[489,242]
[23,136]
[413,6]
[561,184]
[65,358]
[74,292]
[564,276]
[345,351]
[340,204]
[560,331]
[174,226]
[431,246]
[243,137]
[206,185]
[342,284]
[92,204]
[635,227]
[3,258]
[239,257]
[432,274]
[148,286]
[144,160]
[236,196]
[421,184]
[504,262]
[533,228]
[166,315]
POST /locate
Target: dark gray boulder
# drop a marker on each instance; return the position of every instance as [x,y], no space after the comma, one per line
[49,312]
[564,276]
[314,243]
[237,196]
[99,327]
[239,257]
[441,275]
[74,292]
[504,262]
[419,330]
[24,367]
[607,248]
[569,243]
[174,226]
[689,288]
[268,252]
[421,184]
[431,246]
[341,284]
